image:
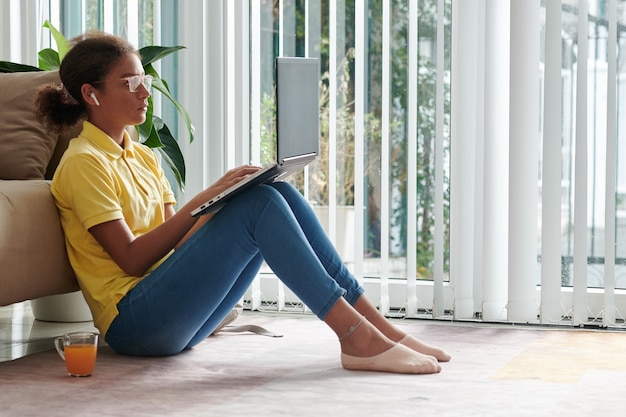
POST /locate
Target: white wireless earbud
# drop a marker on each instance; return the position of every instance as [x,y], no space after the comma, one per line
[93,96]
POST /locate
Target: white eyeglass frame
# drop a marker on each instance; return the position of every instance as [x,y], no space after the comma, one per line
[134,81]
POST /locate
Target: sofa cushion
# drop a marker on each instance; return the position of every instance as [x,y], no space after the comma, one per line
[33,258]
[25,145]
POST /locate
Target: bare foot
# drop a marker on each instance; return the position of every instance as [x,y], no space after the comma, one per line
[365,348]
[421,347]
[395,334]
[398,359]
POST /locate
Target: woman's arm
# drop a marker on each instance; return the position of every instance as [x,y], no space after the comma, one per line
[169,212]
[135,255]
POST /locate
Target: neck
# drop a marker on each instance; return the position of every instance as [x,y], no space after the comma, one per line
[116,133]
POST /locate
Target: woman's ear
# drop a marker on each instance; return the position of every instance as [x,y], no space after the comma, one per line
[89,97]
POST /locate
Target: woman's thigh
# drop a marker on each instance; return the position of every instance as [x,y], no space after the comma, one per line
[190,292]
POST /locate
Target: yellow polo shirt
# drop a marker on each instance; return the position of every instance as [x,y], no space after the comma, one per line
[97,181]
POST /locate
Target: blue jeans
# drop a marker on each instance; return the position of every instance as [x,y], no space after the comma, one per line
[182,301]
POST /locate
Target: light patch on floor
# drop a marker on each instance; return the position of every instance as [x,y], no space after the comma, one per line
[566,356]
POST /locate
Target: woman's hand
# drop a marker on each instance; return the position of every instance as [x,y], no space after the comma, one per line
[229,179]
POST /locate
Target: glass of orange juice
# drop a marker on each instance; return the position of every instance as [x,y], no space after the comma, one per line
[78,350]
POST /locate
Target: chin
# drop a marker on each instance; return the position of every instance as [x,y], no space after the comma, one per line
[140,120]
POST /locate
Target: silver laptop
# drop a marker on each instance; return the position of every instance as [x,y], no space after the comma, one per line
[297,128]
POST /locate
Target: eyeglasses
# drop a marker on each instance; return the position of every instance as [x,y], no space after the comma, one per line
[134,82]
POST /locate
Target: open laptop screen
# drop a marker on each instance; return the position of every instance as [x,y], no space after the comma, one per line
[297,106]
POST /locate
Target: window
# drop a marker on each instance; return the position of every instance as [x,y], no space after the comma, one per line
[384,123]
[597,106]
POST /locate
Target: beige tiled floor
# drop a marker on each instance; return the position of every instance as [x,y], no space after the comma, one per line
[21,334]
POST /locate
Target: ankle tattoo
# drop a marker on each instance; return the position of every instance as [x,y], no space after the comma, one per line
[374,316]
[352,329]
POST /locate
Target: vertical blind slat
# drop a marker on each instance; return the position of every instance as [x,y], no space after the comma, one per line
[384,158]
[312,35]
[464,114]
[287,47]
[132,22]
[581,172]
[233,119]
[524,143]
[256,36]
[438,296]
[255,81]
[360,62]
[496,151]
[551,178]
[411,249]
[108,17]
[611,169]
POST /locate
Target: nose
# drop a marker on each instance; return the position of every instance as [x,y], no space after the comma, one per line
[144,92]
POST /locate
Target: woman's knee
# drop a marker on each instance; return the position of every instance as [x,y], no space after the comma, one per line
[285,189]
[266,193]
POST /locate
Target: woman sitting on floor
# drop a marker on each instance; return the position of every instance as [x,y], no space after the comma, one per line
[159,281]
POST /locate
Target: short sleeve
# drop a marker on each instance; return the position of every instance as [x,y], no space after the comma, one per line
[90,189]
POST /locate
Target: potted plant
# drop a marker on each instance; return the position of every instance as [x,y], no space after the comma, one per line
[153,132]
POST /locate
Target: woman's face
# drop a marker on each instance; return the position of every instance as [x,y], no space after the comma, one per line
[118,105]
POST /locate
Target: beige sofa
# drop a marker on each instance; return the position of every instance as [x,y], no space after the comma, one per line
[33,260]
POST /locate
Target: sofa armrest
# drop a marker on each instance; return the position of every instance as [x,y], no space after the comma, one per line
[33,259]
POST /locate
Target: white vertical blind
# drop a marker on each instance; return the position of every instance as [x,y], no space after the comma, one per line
[551,310]
[255,112]
[524,143]
[581,195]
[232,85]
[384,159]
[608,318]
[313,16]
[287,27]
[495,140]
[496,148]
[438,276]
[464,138]
[411,263]
[132,21]
[109,16]
[16,43]
[202,157]
[360,63]
[255,81]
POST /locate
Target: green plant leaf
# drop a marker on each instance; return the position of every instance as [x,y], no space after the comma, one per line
[160,85]
[145,129]
[152,139]
[6,66]
[172,155]
[49,59]
[150,54]
[63,45]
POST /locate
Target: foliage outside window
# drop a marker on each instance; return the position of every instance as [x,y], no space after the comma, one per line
[318,190]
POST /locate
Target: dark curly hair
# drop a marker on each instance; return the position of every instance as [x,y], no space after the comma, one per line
[91,57]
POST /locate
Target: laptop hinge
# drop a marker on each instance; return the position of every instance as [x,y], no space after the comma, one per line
[298,159]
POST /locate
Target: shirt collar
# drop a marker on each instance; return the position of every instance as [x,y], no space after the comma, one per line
[105,143]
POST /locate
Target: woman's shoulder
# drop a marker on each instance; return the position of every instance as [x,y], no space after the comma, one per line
[81,158]
[79,149]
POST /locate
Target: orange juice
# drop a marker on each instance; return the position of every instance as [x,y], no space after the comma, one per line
[80,358]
